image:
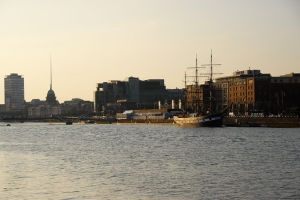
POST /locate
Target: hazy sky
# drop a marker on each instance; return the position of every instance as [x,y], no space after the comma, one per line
[99,40]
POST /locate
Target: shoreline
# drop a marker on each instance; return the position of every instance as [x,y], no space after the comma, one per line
[243,121]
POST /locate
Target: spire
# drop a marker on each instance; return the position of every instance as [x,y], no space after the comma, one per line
[51,99]
[50,72]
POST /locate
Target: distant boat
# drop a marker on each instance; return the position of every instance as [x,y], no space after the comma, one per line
[89,122]
[69,121]
[197,119]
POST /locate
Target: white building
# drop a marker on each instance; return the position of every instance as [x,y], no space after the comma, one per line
[14,92]
[44,110]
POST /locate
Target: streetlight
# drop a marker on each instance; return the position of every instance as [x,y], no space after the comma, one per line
[276,95]
[282,93]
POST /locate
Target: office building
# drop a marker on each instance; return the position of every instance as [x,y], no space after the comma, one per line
[138,93]
[14,92]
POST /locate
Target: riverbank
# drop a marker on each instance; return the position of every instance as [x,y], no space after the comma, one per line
[242,121]
[274,122]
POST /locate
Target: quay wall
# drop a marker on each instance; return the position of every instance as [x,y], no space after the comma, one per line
[157,121]
[238,121]
[269,121]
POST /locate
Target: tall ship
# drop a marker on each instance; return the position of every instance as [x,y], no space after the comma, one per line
[199,103]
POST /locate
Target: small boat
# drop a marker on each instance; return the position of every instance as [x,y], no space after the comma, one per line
[197,119]
[69,121]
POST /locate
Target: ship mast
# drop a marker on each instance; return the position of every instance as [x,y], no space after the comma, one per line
[185,79]
[211,81]
[195,89]
[211,70]
[196,82]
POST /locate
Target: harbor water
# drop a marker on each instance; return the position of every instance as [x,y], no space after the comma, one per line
[110,161]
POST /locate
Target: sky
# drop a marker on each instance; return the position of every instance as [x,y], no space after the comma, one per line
[95,41]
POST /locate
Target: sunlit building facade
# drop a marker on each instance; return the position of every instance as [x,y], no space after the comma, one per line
[251,91]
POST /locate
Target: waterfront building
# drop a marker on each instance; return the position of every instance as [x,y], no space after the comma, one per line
[76,106]
[14,93]
[253,91]
[43,108]
[52,106]
[198,98]
[49,107]
[51,98]
[285,93]
[248,90]
[175,95]
[194,97]
[143,94]
[2,108]
[38,108]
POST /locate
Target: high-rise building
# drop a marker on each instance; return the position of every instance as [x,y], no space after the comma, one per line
[14,92]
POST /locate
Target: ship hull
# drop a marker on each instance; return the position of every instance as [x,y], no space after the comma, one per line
[214,120]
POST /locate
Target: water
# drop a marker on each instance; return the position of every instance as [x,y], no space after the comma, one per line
[43,161]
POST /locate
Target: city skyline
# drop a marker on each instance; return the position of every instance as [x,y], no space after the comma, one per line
[92,42]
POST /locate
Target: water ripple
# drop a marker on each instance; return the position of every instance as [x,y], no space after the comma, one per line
[42,161]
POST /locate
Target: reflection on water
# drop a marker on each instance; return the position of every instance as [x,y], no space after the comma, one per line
[42,161]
